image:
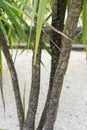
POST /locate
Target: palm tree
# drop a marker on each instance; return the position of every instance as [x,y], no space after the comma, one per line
[12,17]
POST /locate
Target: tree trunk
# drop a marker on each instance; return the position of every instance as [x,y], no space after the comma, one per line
[20,111]
[34,93]
[35,86]
[58,15]
[63,63]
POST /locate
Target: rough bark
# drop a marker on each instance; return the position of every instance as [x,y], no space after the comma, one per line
[63,63]
[58,15]
[35,85]
[34,94]
[12,70]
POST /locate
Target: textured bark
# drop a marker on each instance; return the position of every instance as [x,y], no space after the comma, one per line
[34,94]
[58,23]
[58,15]
[63,63]
[12,70]
[35,86]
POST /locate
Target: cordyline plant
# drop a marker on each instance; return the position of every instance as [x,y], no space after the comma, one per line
[12,21]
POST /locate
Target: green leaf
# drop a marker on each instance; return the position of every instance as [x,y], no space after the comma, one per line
[4,2]
[15,19]
[40,20]
[3,30]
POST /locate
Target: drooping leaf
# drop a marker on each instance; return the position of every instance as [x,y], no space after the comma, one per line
[16,19]
[2,27]
[40,20]
[5,3]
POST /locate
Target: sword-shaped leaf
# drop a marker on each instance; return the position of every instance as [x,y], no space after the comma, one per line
[40,20]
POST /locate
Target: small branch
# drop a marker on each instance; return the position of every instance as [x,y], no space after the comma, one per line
[20,111]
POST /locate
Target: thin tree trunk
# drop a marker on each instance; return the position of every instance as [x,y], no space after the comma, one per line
[63,63]
[58,23]
[58,15]
[35,86]
[34,94]
[12,70]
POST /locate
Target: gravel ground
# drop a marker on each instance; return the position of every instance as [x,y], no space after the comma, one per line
[72,113]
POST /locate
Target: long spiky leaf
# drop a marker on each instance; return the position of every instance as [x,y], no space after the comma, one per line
[40,20]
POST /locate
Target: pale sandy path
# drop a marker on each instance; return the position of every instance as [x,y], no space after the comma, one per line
[73,103]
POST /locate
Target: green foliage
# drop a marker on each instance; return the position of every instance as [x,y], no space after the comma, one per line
[12,22]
